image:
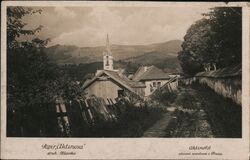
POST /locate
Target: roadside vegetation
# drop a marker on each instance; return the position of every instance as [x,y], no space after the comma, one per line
[164,97]
[209,115]
[133,123]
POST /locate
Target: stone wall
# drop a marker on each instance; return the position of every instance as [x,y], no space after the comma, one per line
[226,82]
[227,87]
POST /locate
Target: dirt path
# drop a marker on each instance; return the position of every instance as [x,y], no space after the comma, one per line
[198,112]
[192,120]
[158,129]
[186,118]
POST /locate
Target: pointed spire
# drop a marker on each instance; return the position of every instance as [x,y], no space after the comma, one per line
[107,40]
[108,46]
[107,57]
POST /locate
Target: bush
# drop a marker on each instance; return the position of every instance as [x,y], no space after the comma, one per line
[132,123]
[164,97]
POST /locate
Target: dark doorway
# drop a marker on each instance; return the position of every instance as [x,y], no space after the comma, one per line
[120,93]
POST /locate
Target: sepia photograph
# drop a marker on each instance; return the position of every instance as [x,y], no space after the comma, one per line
[124,72]
[107,71]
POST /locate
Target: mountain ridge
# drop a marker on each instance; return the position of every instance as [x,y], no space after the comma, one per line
[69,54]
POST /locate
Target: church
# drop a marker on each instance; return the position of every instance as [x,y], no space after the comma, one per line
[111,83]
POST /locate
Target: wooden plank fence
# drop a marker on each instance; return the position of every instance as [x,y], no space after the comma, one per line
[170,87]
[75,116]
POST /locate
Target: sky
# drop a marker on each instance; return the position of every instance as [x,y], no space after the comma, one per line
[88,26]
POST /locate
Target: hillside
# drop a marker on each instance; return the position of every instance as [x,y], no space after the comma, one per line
[62,54]
[83,62]
[167,62]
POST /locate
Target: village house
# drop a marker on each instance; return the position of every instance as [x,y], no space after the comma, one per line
[152,77]
[110,83]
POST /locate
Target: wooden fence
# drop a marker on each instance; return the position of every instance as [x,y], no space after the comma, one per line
[166,94]
[75,116]
[65,119]
[170,87]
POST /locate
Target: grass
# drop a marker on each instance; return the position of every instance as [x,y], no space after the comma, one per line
[212,115]
[225,116]
[188,125]
[164,97]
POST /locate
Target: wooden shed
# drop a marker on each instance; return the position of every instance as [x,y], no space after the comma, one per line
[109,84]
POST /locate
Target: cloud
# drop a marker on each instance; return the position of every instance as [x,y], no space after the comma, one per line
[64,12]
[87,26]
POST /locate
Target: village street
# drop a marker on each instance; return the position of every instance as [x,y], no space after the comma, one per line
[197,112]
[104,84]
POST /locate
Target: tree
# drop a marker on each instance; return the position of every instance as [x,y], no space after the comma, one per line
[226,25]
[33,82]
[214,40]
[30,76]
[196,47]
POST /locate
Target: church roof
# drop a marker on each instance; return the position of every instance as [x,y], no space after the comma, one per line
[150,73]
[118,78]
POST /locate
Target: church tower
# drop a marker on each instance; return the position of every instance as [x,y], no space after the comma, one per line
[107,57]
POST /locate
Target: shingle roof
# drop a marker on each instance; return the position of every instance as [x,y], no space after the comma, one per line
[123,79]
[150,73]
[119,78]
[139,73]
[224,72]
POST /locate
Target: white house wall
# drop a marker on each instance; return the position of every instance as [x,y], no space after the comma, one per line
[148,83]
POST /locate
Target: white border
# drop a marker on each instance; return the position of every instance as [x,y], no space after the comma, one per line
[127,148]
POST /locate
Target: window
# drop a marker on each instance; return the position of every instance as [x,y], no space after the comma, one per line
[151,89]
[158,84]
[154,84]
[107,60]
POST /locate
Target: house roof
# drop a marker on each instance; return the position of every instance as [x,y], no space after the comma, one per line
[224,72]
[124,80]
[119,78]
[150,73]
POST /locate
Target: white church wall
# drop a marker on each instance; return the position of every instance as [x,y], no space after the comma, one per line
[108,62]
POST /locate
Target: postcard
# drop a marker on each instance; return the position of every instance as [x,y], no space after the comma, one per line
[124,80]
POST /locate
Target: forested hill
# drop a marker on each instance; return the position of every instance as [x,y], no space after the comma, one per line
[79,63]
[62,54]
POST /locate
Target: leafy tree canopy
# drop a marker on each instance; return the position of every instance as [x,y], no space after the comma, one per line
[33,82]
[32,78]
[215,39]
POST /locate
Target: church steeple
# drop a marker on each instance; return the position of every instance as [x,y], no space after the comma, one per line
[107,46]
[107,56]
